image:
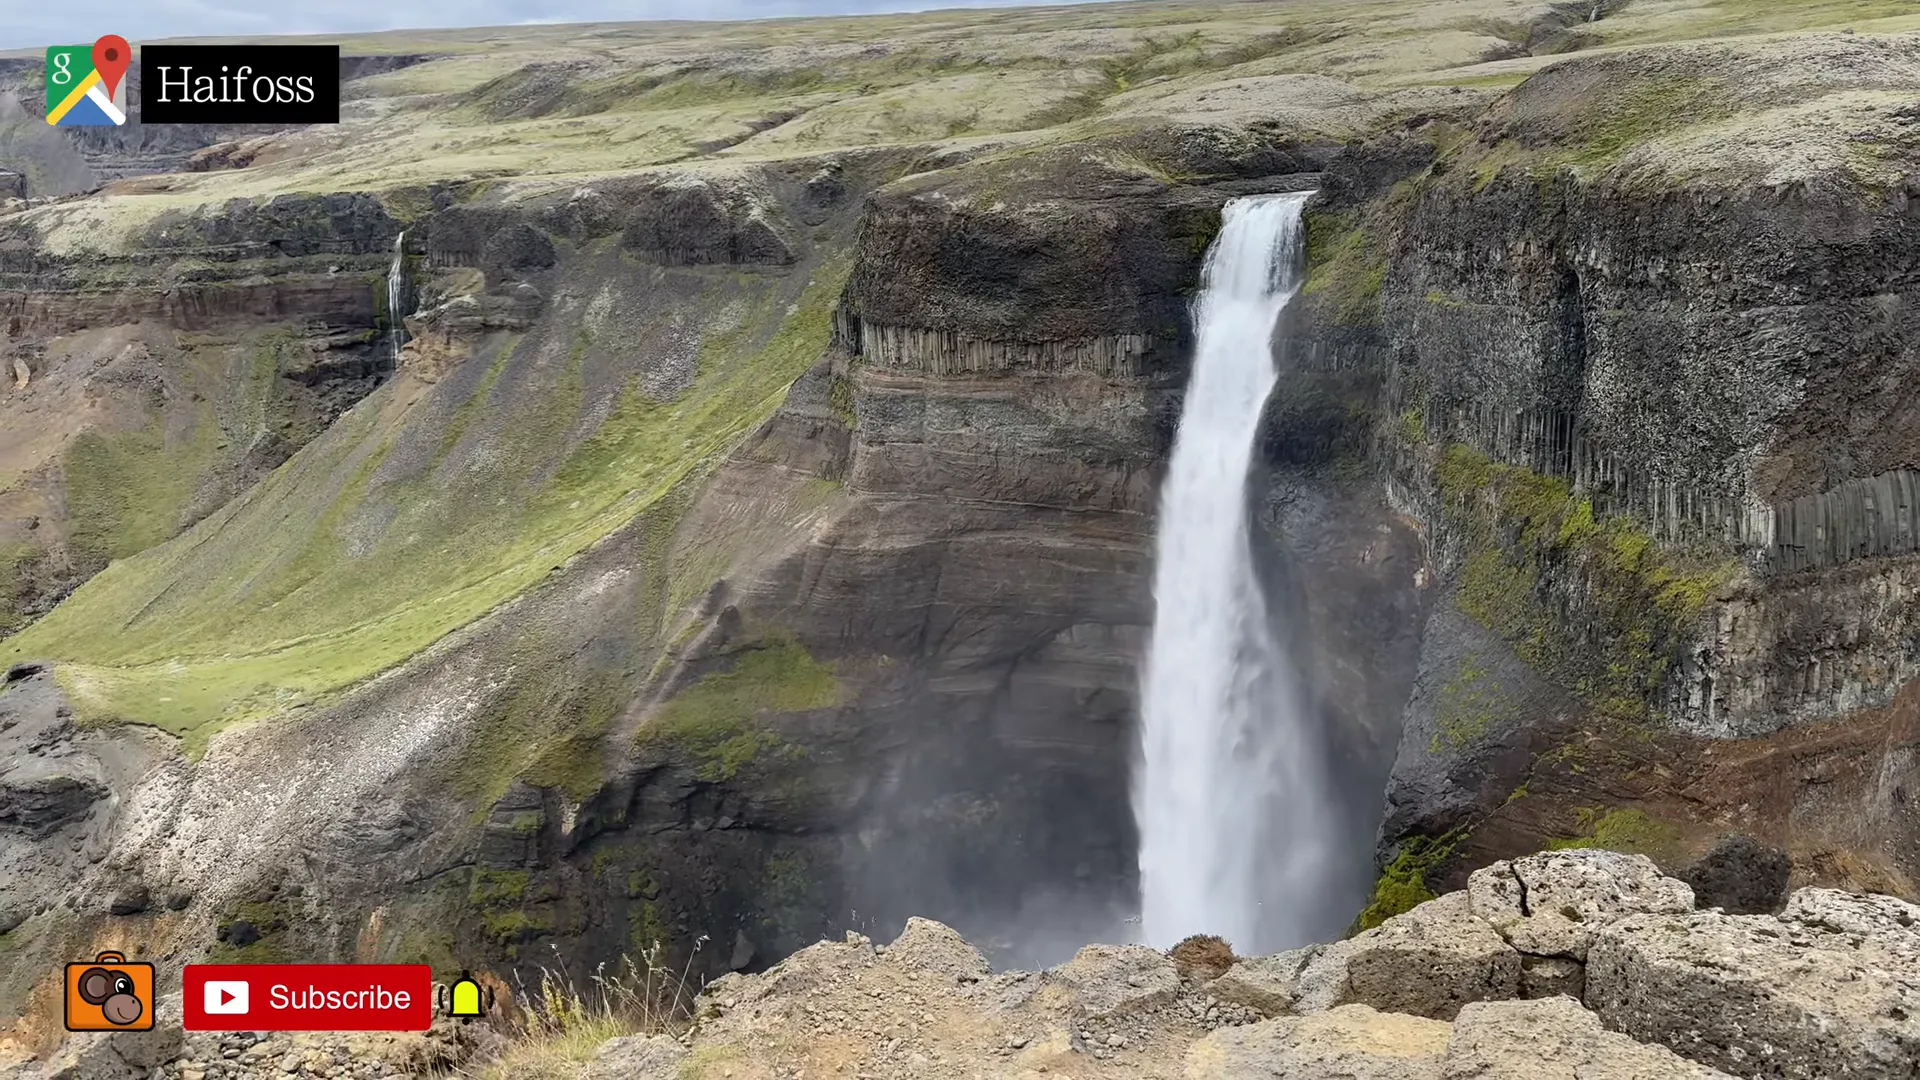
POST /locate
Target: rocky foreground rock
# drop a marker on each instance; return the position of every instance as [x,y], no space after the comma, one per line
[1565,965]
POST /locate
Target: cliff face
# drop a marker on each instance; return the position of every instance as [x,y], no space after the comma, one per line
[143,390]
[758,545]
[1635,386]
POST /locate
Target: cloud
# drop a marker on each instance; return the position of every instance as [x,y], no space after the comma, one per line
[31,24]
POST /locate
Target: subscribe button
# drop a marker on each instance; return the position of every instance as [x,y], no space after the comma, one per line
[307,997]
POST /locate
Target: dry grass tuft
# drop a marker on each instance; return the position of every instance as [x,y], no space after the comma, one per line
[1202,956]
[562,1024]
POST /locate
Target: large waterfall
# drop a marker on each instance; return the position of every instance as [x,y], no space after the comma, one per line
[1230,793]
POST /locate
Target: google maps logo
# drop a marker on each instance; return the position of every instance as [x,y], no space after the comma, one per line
[87,87]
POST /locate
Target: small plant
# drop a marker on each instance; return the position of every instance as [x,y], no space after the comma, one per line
[1200,957]
[561,1024]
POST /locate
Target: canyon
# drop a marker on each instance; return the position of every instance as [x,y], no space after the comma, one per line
[753,540]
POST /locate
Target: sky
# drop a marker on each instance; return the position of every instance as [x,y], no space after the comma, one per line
[37,23]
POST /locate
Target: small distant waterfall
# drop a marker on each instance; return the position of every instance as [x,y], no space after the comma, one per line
[1229,790]
[396,295]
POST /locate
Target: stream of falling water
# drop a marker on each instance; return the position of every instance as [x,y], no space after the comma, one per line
[1229,791]
[396,294]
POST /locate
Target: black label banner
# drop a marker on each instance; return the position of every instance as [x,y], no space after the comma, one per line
[240,84]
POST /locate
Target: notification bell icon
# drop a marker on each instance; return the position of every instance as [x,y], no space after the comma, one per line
[465,999]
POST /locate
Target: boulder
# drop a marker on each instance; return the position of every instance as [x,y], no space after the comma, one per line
[1888,921]
[1352,1042]
[822,964]
[518,246]
[1426,962]
[1832,991]
[130,899]
[1554,1039]
[1550,904]
[1269,984]
[1113,980]
[926,945]
[636,1057]
[1740,876]
[1551,976]
[116,1055]
[40,794]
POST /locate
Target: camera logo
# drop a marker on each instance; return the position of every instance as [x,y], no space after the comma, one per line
[87,85]
[109,993]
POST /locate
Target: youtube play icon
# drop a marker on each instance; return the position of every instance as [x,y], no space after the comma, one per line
[225,998]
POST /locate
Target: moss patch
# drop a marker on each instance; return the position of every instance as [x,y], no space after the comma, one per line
[127,491]
[1346,266]
[717,719]
[1628,830]
[547,727]
[1405,883]
[270,920]
[1594,604]
[840,398]
[648,932]
[1470,704]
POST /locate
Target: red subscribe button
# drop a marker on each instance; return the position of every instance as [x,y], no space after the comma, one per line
[308,997]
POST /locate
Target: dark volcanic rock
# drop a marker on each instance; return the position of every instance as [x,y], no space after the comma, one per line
[1095,274]
[1740,875]
[342,223]
[519,246]
[693,222]
[1673,345]
[130,900]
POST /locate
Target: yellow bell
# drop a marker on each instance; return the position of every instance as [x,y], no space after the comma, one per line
[466,998]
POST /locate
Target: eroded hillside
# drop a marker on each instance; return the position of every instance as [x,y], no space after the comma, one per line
[752,540]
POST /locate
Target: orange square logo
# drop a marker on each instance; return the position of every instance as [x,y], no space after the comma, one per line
[109,993]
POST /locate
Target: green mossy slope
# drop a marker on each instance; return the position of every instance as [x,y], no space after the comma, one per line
[1595,604]
[380,538]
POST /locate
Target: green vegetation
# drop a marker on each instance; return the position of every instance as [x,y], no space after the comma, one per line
[1413,427]
[509,926]
[716,720]
[548,106]
[648,931]
[785,881]
[1631,831]
[546,726]
[1642,109]
[497,888]
[840,399]
[1470,704]
[1526,535]
[1346,266]
[511,904]
[337,566]
[127,491]
[1406,882]
[271,920]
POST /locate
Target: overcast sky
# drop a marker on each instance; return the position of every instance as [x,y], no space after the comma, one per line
[37,23]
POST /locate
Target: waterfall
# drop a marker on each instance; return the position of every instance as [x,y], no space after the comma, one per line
[396,295]
[1229,790]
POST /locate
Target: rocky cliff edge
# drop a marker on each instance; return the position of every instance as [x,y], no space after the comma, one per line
[1566,965]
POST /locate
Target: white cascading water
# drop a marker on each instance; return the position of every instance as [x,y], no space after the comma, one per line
[396,293]
[1229,793]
